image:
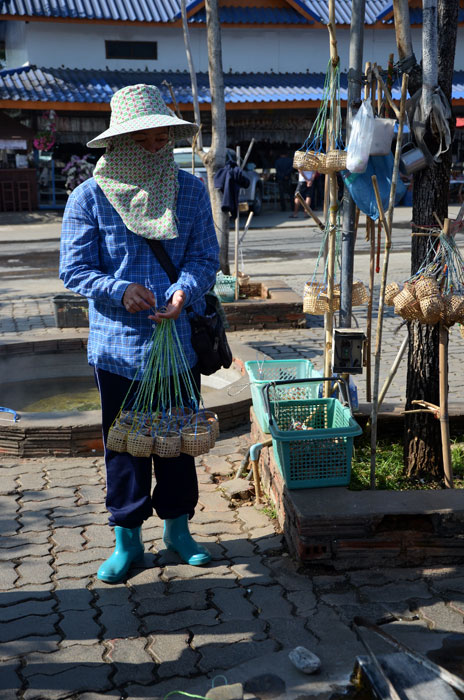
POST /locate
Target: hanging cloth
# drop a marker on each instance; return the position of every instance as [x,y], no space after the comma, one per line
[440,116]
[141,186]
[229,180]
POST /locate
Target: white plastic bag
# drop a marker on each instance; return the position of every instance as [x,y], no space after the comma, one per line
[382,136]
[359,146]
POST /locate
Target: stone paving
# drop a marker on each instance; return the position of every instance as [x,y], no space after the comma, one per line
[169,626]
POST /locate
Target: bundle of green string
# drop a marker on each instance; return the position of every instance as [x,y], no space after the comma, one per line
[445,263]
[330,107]
[166,384]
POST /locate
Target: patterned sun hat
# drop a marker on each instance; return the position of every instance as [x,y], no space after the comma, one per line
[138,107]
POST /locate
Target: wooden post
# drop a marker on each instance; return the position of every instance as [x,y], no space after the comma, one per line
[443,388]
[387,224]
[370,233]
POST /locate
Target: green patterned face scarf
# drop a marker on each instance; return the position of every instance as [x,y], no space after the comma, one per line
[141,186]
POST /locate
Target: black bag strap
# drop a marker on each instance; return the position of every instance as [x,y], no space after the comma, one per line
[165,261]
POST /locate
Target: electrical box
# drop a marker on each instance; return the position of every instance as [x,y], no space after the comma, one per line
[348,351]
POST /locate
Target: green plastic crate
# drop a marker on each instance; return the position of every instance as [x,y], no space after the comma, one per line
[320,456]
[262,373]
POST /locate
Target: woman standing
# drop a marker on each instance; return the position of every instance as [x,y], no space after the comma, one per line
[137,193]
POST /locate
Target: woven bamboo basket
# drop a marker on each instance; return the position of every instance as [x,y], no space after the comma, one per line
[212,436]
[211,418]
[403,300]
[316,300]
[412,312]
[195,440]
[432,309]
[309,160]
[129,417]
[426,287]
[457,306]
[138,444]
[335,161]
[167,444]
[391,290]
[451,309]
[117,438]
[360,294]
[181,415]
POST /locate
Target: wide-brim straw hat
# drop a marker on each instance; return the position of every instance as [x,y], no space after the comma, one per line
[139,107]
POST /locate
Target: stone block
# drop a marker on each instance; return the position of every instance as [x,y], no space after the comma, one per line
[185,619]
[80,626]
[131,661]
[173,654]
[232,604]
[119,621]
[34,570]
[250,571]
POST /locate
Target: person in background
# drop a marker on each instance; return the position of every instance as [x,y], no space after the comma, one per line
[137,192]
[284,168]
[305,187]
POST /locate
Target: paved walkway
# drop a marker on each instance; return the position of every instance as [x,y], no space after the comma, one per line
[63,634]
[173,627]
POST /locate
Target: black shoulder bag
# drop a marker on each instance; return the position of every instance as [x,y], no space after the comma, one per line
[208,335]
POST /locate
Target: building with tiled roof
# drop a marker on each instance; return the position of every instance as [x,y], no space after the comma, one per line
[72,55]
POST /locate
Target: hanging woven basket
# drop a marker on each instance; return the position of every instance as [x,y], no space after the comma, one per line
[426,287]
[180,416]
[391,290]
[167,444]
[316,300]
[211,419]
[406,304]
[432,308]
[195,439]
[139,445]
[309,160]
[117,437]
[360,294]
[335,161]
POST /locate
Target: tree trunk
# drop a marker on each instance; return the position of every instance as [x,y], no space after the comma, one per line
[193,75]
[423,455]
[216,156]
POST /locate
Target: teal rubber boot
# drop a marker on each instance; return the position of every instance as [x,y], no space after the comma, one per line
[129,549]
[178,539]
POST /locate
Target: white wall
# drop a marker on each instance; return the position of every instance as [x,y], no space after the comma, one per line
[244,50]
[16,50]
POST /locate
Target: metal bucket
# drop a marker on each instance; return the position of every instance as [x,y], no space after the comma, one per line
[412,159]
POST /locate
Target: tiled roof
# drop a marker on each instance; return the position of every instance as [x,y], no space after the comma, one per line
[97,86]
[254,15]
[167,10]
[32,84]
[122,10]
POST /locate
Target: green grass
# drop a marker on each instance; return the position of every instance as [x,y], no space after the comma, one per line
[389,468]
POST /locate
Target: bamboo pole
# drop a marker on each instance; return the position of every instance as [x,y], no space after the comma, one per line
[369,229]
[394,369]
[443,389]
[333,208]
[369,237]
[387,224]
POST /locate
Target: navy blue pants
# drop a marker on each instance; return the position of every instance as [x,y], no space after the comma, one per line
[129,498]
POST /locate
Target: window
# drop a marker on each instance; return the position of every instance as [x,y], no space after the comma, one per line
[136,50]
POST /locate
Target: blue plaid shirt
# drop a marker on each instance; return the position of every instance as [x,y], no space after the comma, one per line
[100,257]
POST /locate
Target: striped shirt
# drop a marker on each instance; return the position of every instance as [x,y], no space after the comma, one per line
[100,257]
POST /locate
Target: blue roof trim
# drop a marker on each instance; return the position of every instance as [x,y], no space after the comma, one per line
[32,84]
[255,15]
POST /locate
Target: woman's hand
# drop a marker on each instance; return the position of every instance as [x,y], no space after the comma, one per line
[173,308]
[138,298]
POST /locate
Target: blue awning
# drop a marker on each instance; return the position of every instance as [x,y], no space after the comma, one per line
[32,84]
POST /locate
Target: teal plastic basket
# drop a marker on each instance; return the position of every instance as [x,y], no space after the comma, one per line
[262,373]
[225,287]
[319,455]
